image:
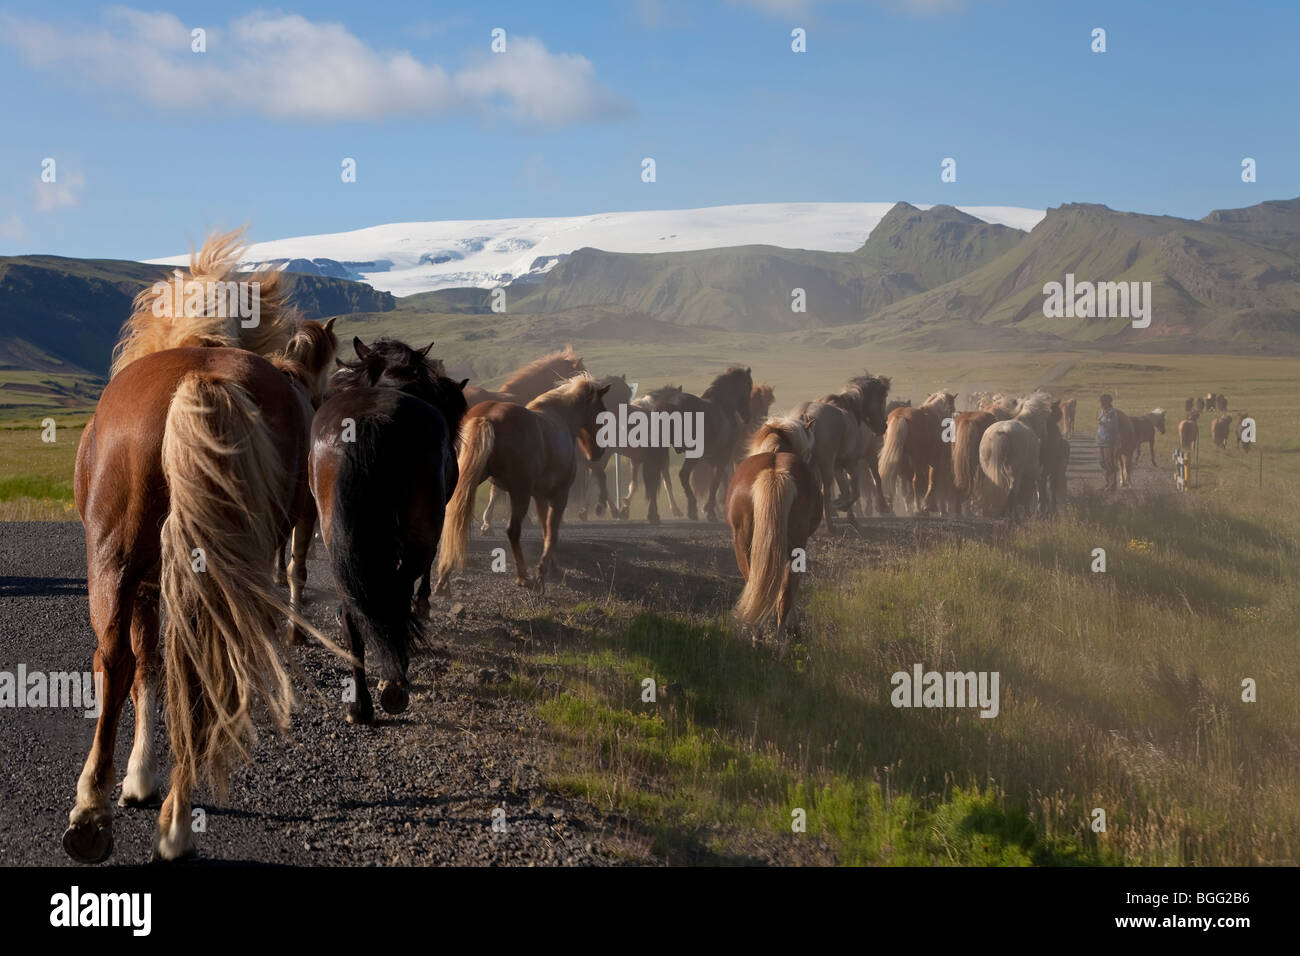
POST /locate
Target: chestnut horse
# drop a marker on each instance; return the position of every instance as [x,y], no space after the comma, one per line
[914,447]
[1068,408]
[188,477]
[523,385]
[383,464]
[773,506]
[966,474]
[530,451]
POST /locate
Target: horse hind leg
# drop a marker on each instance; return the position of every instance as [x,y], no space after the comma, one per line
[486,526]
[684,476]
[302,535]
[89,837]
[518,508]
[141,785]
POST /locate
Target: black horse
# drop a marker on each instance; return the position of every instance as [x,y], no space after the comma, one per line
[383,465]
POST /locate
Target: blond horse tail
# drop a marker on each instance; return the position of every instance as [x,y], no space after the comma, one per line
[772,496]
[228,492]
[477,439]
[891,453]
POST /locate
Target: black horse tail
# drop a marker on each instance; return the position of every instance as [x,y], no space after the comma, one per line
[364,557]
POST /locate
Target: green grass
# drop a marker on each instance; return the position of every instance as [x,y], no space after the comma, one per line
[1119,690]
[36,476]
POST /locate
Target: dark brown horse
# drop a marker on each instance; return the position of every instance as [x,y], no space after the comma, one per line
[187,480]
[591,472]
[717,419]
[773,506]
[531,452]
[383,464]
[1054,460]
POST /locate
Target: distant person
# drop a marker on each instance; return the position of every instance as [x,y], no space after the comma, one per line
[1108,441]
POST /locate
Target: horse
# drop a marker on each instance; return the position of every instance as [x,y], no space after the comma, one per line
[1068,408]
[1125,446]
[1189,406]
[914,448]
[1200,404]
[1010,456]
[526,383]
[783,434]
[531,451]
[593,470]
[1219,428]
[1188,432]
[970,428]
[722,412]
[1212,401]
[1054,460]
[1144,432]
[773,507]
[761,398]
[846,420]
[383,464]
[187,479]
[649,460]
[521,387]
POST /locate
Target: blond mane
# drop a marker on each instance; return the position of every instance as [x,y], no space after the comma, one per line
[167,316]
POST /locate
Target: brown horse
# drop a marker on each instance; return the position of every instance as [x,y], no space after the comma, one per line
[719,417]
[966,473]
[187,479]
[658,458]
[1144,432]
[1068,408]
[530,451]
[1054,460]
[1220,428]
[773,506]
[761,397]
[914,447]
[1188,432]
[592,471]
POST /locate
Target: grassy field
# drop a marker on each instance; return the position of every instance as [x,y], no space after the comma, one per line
[1120,691]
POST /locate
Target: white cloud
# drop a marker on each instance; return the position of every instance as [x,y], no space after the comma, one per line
[63,193]
[13,228]
[286,66]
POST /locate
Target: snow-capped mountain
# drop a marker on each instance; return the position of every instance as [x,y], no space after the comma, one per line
[409,257]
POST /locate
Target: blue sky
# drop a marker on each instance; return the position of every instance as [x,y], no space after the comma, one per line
[154,144]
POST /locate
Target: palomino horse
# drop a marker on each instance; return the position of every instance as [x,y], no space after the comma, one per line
[773,506]
[522,386]
[383,464]
[527,383]
[592,471]
[966,474]
[914,448]
[722,412]
[1010,456]
[531,452]
[1144,432]
[187,479]
[1126,445]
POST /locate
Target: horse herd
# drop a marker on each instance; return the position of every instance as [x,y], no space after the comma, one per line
[217,442]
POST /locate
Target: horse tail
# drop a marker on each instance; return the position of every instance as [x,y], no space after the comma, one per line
[966,459]
[364,552]
[772,498]
[996,460]
[477,439]
[227,484]
[891,452]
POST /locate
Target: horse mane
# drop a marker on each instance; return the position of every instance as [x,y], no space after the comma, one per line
[539,368]
[147,331]
[940,399]
[782,433]
[1001,407]
[566,393]
[308,355]
[1034,409]
[724,384]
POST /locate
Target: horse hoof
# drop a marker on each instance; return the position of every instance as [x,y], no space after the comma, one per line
[157,858]
[359,715]
[393,697]
[89,842]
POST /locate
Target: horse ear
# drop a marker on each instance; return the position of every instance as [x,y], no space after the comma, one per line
[425,350]
[329,323]
[810,423]
[749,371]
[361,348]
[463,383]
[603,389]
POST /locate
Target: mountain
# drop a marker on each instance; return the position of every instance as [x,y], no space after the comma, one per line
[64,315]
[413,257]
[1230,278]
[751,287]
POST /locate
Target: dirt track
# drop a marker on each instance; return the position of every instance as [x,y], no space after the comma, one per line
[418,788]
